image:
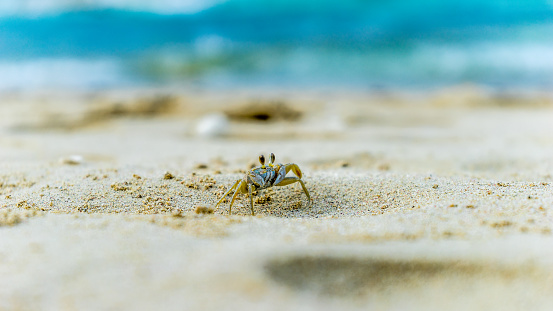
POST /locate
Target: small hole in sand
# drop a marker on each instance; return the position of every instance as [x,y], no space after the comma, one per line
[261,116]
[264,111]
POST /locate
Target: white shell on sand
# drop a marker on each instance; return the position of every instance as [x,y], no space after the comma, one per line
[213,125]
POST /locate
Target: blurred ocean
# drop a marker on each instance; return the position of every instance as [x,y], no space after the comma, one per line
[348,43]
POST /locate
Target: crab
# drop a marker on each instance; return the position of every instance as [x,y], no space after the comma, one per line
[265,176]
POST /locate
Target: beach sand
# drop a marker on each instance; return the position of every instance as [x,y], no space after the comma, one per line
[421,200]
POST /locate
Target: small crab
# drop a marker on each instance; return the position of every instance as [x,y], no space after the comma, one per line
[265,176]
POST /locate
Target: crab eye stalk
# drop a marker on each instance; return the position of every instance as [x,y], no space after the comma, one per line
[262,159]
[272,158]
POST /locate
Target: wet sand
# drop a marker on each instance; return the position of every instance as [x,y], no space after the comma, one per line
[421,201]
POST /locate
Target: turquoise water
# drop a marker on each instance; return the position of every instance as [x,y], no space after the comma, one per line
[367,44]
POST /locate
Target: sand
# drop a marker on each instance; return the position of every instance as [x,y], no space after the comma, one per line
[421,200]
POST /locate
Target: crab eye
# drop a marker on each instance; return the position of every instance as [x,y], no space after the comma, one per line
[272,157]
[262,159]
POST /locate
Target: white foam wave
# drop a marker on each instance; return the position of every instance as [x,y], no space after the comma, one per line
[59,73]
[502,61]
[489,64]
[45,7]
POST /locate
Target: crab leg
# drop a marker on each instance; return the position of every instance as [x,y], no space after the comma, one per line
[226,193]
[241,188]
[294,168]
[291,180]
[251,198]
